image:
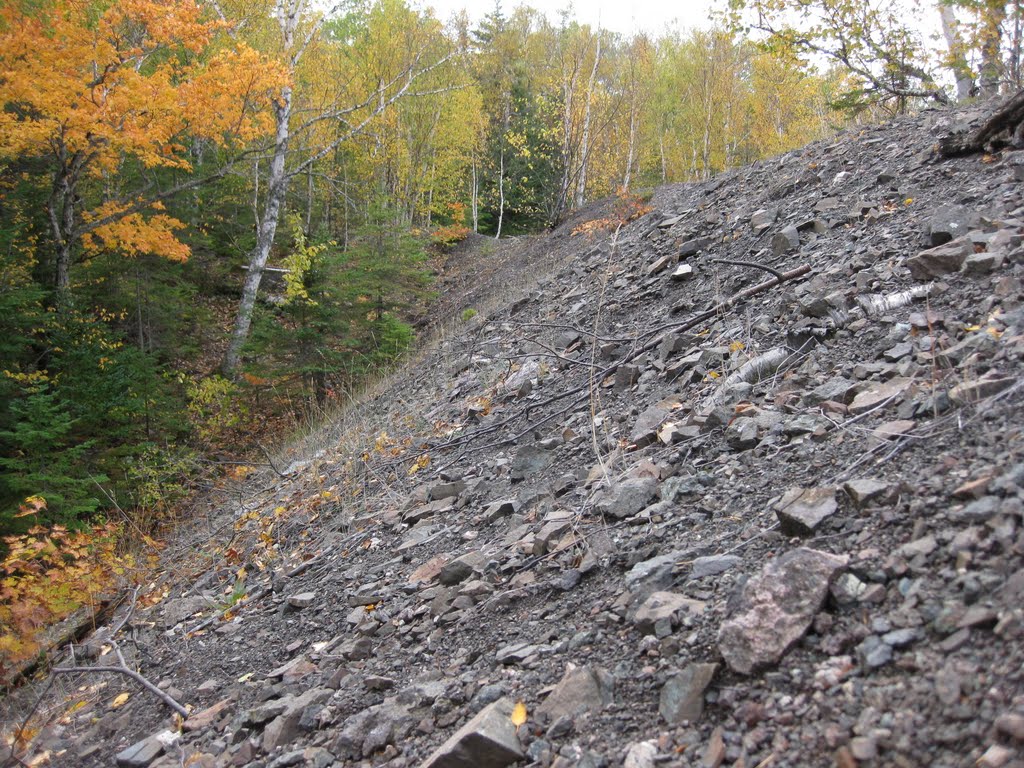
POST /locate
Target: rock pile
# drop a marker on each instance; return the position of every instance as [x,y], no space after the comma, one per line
[739,485]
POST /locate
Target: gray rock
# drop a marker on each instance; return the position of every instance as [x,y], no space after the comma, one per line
[530,460]
[837,389]
[655,570]
[1012,724]
[645,430]
[682,272]
[776,607]
[461,568]
[141,753]
[445,490]
[741,434]
[664,606]
[628,497]
[487,694]
[763,219]
[867,490]
[940,260]
[489,740]
[499,509]
[695,245]
[802,510]
[286,726]
[980,510]
[301,600]
[516,653]
[873,653]
[978,389]
[945,224]
[581,689]
[641,754]
[981,263]
[713,565]
[788,239]
[179,609]
[847,589]
[370,730]
[682,696]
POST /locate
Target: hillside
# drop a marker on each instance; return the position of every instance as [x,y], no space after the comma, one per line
[736,483]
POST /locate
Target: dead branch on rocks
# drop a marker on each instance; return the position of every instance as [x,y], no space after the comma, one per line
[752,264]
[582,392]
[1006,121]
[122,669]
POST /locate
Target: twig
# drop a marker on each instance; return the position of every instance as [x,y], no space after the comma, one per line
[123,670]
[270,461]
[637,352]
[753,264]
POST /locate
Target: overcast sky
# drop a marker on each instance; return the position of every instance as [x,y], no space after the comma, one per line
[625,16]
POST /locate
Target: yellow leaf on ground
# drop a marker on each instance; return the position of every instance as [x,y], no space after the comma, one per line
[120,700]
[518,714]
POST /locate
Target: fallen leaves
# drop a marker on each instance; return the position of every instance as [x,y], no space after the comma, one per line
[518,715]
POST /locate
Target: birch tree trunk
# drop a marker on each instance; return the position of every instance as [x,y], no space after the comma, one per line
[993,13]
[581,180]
[957,49]
[277,186]
[474,199]
[501,187]
[631,148]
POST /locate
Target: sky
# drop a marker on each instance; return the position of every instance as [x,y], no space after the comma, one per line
[624,16]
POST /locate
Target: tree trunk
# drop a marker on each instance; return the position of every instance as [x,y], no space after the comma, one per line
[581,180]
[501,187]
[957,57]
[1004,123]
[277,186]
[993,14]
[61,209]
[631,147]
[474,199]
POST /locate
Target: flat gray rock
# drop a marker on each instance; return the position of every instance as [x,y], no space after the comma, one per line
[628,497]
[802,510]
[682,696]
[664,606]
[941,260]
[581,689]
[489,740]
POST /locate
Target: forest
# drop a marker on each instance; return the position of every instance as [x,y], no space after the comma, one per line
[220,218]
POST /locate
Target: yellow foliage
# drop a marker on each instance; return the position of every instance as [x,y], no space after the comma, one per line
[48,575]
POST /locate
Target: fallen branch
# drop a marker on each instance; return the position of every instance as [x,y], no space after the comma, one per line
[1008,118]
[123,670]
[656,332]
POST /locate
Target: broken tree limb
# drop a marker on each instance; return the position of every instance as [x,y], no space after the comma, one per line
[756,369]
[651,339]
[1007,119]
[123,670]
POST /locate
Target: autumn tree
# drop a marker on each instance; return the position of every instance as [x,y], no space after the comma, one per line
[349,104]
[94,92]
[877,42]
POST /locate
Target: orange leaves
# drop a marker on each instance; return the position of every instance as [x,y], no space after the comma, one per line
[133,234]
[33,505]
[46,576]
[88,89]
[223,102]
